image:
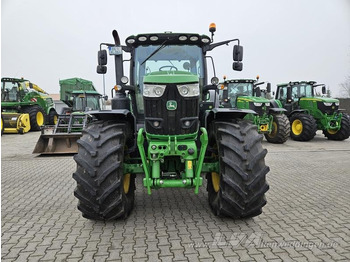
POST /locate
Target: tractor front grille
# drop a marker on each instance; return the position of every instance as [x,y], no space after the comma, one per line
[162,119]
[260,110]
[329,110]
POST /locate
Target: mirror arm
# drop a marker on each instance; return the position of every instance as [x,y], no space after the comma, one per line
[212,46]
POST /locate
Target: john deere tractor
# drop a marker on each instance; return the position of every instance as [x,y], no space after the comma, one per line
[269,118]
[159,127]
[308,111]
[25,106]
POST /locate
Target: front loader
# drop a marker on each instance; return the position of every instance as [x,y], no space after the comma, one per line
[80,96]
[160,127]
[309,111]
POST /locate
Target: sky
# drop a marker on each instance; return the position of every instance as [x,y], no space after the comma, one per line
[284,40]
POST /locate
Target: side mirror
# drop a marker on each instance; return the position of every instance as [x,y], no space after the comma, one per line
[237,53]
[237,66]
[101,69]
[102,57]
[268,88]
[324,91]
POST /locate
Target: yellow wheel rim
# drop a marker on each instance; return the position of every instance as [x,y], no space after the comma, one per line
[55,119]
[126,183]
[215,179]
[273,130]
[2,124]
[297,127]
[39,118]
[332,131]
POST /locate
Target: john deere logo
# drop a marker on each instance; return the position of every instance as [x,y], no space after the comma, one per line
[171,105]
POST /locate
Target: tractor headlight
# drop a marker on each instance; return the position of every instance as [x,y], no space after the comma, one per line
[267,104]
[337,103]
[258,104]
[327,104]
[188,90]
[153,90]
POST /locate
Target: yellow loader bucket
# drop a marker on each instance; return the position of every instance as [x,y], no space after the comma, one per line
[51,144]
[14,123]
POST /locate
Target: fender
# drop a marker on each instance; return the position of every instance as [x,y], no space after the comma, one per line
[116,114]
[298,111]
[275,110]
[226,114]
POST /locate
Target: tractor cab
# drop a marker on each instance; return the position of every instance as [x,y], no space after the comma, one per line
[244,93]
[86,101]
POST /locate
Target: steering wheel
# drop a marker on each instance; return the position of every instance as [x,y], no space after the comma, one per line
[168,66]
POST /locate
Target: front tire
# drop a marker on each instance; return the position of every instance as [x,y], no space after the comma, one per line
[280,129]
[37,117]
[343,133]
[53,117]
[303,127]
[239,190]
[103,190]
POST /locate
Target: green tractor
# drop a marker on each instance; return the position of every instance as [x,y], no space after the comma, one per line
[25,106]
[308,111]
[161,128]
[80,96]
[269,117]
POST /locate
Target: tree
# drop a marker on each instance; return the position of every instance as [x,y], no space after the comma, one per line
[345,87]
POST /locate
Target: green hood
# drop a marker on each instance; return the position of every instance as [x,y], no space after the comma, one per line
[320,99]
[252,99]
[170,77]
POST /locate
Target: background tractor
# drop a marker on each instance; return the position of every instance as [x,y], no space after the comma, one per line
[159,126]
[25,106]
[81,96]
[269,117]
[308,111]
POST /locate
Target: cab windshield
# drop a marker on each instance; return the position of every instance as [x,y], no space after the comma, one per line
[301,90]
[239,89]
[82,102]
[12,91]
[187,58]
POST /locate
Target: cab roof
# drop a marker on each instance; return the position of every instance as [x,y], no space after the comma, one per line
[10,79]
[240,81]
[167,38]
[297,83]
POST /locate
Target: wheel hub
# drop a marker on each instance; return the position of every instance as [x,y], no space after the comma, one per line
[297,127]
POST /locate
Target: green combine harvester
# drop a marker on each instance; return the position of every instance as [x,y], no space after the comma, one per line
[162,127]
[308,111]
[24,106]
[269,117]
[81,96]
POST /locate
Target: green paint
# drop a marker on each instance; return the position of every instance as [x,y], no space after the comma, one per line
[170,77]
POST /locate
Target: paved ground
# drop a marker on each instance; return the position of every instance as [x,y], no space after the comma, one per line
[307,217]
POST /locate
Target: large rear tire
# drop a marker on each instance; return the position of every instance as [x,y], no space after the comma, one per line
[103,190]
[239,190]
[343,133]
[303,127]
[280,129]
[37,117]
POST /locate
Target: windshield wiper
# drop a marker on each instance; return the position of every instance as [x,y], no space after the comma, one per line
[155,51]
